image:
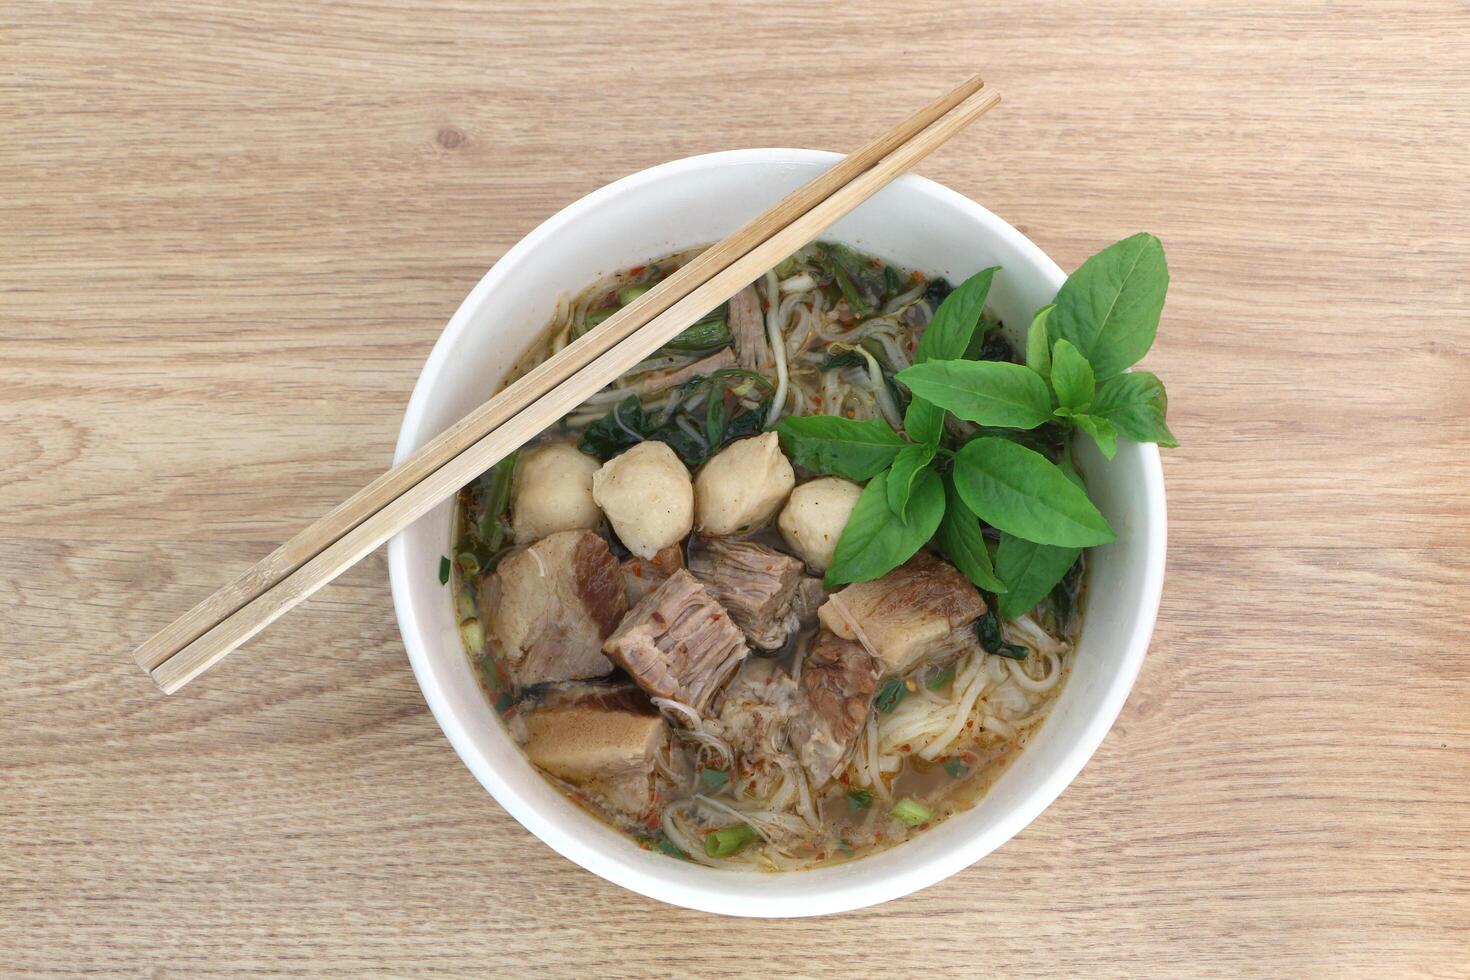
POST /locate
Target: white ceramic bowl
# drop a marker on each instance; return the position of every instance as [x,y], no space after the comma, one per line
[913,222]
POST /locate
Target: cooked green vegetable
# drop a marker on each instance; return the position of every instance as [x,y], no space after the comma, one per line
[493,493]
[713,778]
[444,570]
[628,294]
[941,680]
[730,840]
[956,768]
[859,799]
[987,628]
[861,282]
[704,337]
[890,694]
[912,812]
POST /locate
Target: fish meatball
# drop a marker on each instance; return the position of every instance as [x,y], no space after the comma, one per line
[647,496]
[743,485]
[552,491]
[813,519]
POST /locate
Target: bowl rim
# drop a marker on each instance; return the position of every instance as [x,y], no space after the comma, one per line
[705,892]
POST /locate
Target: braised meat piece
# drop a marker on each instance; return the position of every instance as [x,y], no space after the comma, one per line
[755,710]
[758,585]
[838,681]
[601,740]
[678,642]
[774,722]
[922,610]
[642,575]
[550,607]
[718,361]
[748,330]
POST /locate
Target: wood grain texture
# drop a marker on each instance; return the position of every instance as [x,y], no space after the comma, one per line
[230,233]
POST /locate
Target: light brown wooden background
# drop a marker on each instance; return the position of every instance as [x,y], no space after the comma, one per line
[230,233]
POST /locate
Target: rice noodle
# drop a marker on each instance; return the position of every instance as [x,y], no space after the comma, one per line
[1026,683]
[778,348]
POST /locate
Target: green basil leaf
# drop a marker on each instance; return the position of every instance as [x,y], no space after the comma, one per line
[1030,571]
[1071,377]
[948,335]
[1136,404]
[1101,430]
[986,392]
[960,537]
[923,421]
[1020,491]
[848,448]
[875,541]
[1038,344]
[907,465]
[1109,308]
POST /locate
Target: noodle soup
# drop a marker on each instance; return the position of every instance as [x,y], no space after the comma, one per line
[663,595]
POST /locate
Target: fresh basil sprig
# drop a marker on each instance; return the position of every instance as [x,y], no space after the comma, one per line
[922,485]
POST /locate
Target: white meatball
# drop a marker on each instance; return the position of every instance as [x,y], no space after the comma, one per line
[552,491]
[813,519]
[742,486]
[647,496]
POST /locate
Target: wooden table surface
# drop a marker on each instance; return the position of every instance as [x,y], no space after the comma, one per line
[231,232]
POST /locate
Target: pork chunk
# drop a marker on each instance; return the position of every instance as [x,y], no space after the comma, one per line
[551,606]
[718,361]
[642,575]
[748,330]
[758,585]
[838,681]
[678,642]
[602,743]
[922,610]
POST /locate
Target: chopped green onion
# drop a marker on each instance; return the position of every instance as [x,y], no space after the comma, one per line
[956,767]
[859,799]
[628,294]
[665,846]
[706,337]
[464,605]
[786,266]
[713,778]
[469,562]
[495,487]
[503,703]
[912,812]
[891,694]
[892,282]
[723,843]
[490,673]
[942,679]
[444,570]
[595,317]
[472,634]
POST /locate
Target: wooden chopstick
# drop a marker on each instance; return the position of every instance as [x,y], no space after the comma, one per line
[204,635]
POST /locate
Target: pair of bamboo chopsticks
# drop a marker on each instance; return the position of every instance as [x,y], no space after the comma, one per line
[205,634]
